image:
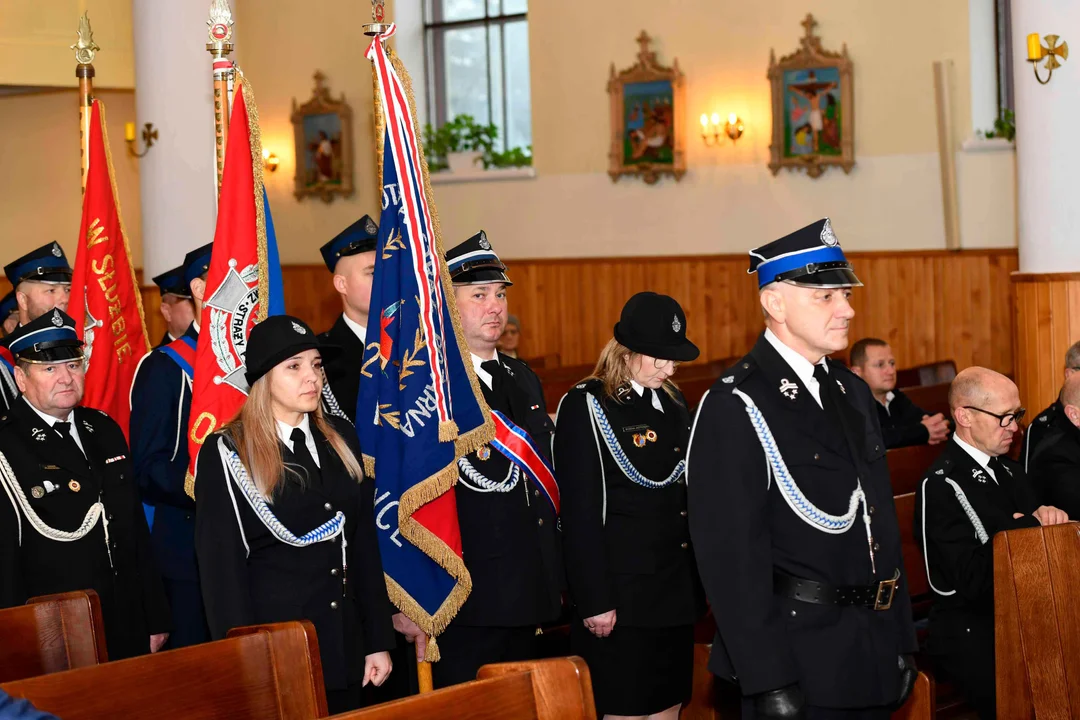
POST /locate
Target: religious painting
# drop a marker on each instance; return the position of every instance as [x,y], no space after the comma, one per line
[812,107]
[322,128]
[648,133]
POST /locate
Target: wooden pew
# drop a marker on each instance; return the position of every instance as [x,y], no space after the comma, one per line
[922,704]
[929,374]
[552,689]
[551,360]
[264,671]
[1037,622]
[908,466]
[931,398]
[51,634]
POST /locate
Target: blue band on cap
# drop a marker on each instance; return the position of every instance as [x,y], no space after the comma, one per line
[28,341]
[768,270]
[196,268]
[472,257]
[45,261]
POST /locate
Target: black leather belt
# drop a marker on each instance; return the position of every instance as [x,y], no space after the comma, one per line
[878,596]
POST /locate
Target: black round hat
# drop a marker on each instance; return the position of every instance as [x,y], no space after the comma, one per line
[655,325]
[279,337]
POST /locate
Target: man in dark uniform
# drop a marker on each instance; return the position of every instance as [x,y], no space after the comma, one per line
[509,532]
[72,518]
[791,511]
[160,409]
[1055,463]
[9,314]
[972,492]
[1052,420]
[177,306]
[351,258]
[41,281]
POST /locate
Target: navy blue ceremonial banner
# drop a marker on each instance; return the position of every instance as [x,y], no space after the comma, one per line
[419,408]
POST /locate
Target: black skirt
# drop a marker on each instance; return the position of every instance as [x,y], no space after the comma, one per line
[637,671]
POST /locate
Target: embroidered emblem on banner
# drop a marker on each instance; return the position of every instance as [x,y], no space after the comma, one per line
[789,389]
[232,314]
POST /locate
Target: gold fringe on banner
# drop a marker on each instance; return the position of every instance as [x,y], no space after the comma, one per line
[248,96]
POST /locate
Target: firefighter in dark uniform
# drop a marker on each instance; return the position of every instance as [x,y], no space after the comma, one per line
[41,281]
[70,517]
[351,258]
[791,510]
[288,531]
[9,317]
[971,492]
[1051,422]
[160,409]
[509,531]
[620,448]
[177,307]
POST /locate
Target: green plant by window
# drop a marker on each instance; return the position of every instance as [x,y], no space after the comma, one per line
[1004,126]
[464,134]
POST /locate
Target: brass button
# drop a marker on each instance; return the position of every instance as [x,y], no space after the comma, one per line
[745,365]
[684,545]
[871,509]
[333,604]
[333,571]
[536,493]
[876,448]
[540,522]
[817,456]
[327,507]
[682,513]
[876,547]
[678,450]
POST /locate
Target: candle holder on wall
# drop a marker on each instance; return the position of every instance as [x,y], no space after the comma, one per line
[1037,52]
[149,137]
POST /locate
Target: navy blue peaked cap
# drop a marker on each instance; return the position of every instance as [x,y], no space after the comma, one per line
[361,236]
[810,256]
[49,339]
[197,262]
[474,262]
[171,282]
[46,264]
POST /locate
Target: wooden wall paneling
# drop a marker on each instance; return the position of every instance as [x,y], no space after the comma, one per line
[1047,313]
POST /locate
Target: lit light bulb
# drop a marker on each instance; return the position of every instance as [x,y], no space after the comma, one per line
[266,154]
[704,120]
[732,118]
[716,118]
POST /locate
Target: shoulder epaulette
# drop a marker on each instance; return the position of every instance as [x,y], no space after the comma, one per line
[739,371]
[590,385]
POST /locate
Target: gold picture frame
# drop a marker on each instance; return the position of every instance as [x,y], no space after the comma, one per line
[813,107]
[322,128]
[648,118]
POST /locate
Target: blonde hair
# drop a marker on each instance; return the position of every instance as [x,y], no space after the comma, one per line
[253,433]
[613,368]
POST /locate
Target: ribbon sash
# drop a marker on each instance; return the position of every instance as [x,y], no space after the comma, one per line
[182,352]
[513,442]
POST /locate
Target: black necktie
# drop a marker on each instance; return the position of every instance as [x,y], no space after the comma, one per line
[827,392]
[998,468]
[303,456]
[64,430]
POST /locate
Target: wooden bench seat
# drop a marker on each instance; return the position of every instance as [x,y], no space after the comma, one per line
[264,671]
[51,634]
[552,689]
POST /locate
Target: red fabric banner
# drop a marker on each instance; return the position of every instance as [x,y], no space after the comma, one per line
[103,288]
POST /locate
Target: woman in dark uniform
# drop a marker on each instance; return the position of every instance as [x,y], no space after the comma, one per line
[284,527]
[620,444]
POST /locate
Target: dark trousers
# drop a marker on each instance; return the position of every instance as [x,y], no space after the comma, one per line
[820,713]
[348,698]
[188,615]
[464,648]
[973,673]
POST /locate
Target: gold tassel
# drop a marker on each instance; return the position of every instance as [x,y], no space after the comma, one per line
[431,654]
[448,431]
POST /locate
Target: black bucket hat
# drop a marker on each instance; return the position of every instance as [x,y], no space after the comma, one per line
[655,325]
[279,337]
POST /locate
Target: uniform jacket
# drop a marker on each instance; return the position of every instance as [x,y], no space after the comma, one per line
[743,529]
[901,422]
[1051,421]
[133,600]
[627,547]
[251,577]
[510,541]
[160,409]
[166,338]
[9,392]
[343,373]
[960,559]
[1054,466]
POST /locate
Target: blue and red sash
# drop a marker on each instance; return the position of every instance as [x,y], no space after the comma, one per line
[7,359]
[182,352]
[513,442]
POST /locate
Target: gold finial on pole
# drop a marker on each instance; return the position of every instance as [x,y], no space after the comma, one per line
[85,48]
[219,47]
[378,14]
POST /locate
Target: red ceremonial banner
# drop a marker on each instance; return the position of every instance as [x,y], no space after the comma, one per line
[104,289]
[235,281]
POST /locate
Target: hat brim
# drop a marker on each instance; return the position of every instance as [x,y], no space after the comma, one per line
[55,277]
[833,278]
[685,351]
[327,351]
[59,354]
[482,276]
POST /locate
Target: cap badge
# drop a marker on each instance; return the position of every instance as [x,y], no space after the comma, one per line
[56,250]
[56,319]
[828,237]
[675,324]
[789,389]
[371,227]
[484,242]
[299,328]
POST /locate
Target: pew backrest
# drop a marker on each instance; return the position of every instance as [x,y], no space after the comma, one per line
[922,704]
[266,671]
[918,585]
[552,689]
[1037,621]
[51,634]
[908,466]
[932,399]
[928,374]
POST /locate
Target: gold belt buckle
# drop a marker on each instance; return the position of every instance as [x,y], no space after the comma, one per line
[883,586]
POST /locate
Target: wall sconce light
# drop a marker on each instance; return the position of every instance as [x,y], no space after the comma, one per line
[1051,51]
[712,129]
[734,127]
[149,136]
[270,160]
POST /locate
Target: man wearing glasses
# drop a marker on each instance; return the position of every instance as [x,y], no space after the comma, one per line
[972,492]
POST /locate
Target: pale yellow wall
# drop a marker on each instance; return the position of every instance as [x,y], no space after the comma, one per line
[40,193]
[36,35]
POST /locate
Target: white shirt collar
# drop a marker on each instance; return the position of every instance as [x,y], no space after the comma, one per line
[481,373]
[359,330]
[640,390]
[49,418]
[804,369]
[976,454]
[196,324]
[889,397]
[284,432]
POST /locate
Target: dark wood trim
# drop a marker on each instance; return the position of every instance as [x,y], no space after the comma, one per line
[1020,277]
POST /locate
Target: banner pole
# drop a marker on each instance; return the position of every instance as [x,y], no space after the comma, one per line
[219,47]
[85,48]
[423,675]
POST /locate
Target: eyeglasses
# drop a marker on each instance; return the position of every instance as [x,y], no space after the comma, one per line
[661,364]
[1005,420]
